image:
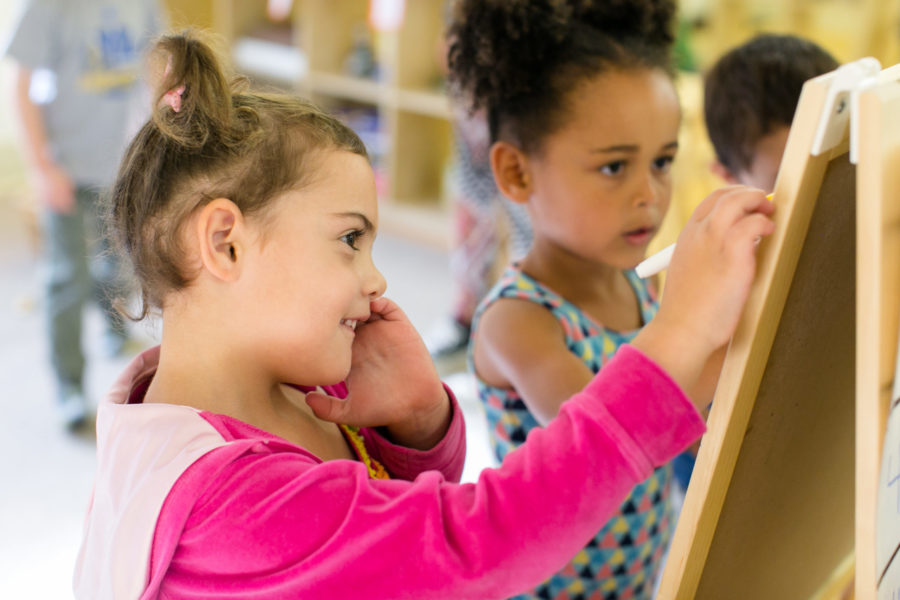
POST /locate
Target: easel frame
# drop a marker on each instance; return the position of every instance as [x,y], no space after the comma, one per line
[878,306]
[826,564]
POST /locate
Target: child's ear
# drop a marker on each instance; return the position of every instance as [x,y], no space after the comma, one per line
[221,233]
[512,171]
[723,172]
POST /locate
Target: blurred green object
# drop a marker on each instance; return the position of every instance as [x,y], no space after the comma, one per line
[682,51]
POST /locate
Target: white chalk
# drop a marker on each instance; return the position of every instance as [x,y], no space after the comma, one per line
[656,263]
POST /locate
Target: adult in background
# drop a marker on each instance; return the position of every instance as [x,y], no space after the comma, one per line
[77,71]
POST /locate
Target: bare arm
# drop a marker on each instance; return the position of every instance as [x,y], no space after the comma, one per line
[521,345]
[704,389]
[707,285]
[52,184]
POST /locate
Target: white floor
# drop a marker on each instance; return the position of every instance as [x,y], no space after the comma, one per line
[47,473]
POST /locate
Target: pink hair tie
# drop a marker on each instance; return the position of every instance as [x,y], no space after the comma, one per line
[173,97]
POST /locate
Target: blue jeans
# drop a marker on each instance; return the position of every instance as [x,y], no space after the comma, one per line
[79,266]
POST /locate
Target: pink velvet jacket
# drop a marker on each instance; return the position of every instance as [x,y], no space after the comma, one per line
[189,504]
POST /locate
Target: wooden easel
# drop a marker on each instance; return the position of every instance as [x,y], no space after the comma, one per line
[783,492]
[878,299]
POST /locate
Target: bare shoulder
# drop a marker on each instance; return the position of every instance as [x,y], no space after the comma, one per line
[513,332]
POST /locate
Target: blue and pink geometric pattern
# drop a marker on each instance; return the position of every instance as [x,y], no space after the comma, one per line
[622,560]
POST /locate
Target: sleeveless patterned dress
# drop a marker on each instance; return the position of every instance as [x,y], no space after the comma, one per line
[623,558]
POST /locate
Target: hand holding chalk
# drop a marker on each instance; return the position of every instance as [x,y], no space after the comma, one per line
[659,261]
[714,265]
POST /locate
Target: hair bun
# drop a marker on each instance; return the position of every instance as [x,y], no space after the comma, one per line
[502,51]
[650,20]
[193,101]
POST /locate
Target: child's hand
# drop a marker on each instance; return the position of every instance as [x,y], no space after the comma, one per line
[392,382]
[55,189]
[708,281]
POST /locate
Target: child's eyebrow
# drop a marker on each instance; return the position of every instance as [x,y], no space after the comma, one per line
[617,148]
[632,148]
[366,223]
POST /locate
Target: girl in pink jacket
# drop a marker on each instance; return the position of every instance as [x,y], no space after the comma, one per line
[290,437]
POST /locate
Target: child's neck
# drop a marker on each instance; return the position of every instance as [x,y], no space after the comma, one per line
[199,369]
[208,373]
[600,290]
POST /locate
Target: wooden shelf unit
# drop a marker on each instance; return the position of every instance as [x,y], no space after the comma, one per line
[405,96]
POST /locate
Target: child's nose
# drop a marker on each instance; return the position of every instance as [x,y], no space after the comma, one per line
[647,192]
[375,284]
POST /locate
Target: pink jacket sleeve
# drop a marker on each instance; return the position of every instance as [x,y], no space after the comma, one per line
[272,525]
[448,457]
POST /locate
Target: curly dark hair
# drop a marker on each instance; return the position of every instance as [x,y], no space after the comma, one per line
[519,59]
[754,88]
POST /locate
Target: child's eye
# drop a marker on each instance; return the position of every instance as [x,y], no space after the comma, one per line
[614,168]
[350,238]
[663,163]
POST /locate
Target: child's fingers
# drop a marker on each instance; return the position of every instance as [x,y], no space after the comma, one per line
[707,205]
[749,229]
[732,207]
[386,309]
[328,408]
[727,204]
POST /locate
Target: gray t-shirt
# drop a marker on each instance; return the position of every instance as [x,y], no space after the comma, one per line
[87,57]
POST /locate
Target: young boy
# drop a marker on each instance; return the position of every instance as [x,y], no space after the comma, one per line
[751,94]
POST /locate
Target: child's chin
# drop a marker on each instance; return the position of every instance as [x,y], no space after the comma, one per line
[336,376]
[330,376]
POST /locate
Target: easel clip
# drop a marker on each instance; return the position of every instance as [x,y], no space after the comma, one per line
[842,105]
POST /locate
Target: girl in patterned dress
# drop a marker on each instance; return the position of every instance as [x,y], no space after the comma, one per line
[584,121]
